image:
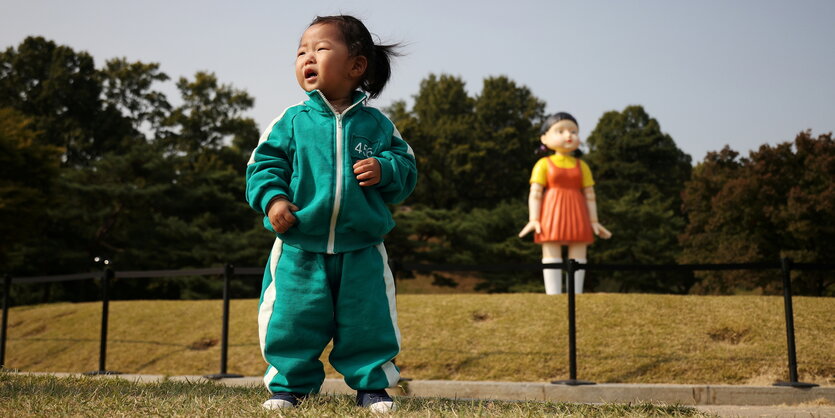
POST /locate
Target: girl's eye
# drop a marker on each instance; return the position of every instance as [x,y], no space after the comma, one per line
[300,53]
[322,49]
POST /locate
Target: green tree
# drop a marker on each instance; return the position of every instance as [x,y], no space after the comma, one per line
[704,243]
[59,89]
[143,184]
[474,156]
[128,87]
[629,151]
[439,129]
[27,174]
[96,195]
[204,219]
[210,117]
[508,118]
[639,173]
[472,152]
[776,203]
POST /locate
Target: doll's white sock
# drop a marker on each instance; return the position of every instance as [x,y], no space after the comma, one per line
[553,277]
[579,277]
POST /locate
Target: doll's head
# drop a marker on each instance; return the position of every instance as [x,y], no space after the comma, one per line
[561,133]
[337,55]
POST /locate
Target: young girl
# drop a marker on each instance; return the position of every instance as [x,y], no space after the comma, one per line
[567,215]
[323,173]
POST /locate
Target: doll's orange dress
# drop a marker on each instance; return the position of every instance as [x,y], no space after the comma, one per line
[565,215]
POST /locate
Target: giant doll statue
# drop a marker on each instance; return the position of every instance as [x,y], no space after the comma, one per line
[562,204]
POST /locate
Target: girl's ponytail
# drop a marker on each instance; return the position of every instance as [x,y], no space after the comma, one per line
[379,69]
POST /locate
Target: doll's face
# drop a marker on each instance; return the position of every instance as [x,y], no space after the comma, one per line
[562,136]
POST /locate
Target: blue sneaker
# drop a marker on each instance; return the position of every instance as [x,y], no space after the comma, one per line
[282,400]
[375,400]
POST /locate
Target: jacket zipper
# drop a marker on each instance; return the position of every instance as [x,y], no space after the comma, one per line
[337,196]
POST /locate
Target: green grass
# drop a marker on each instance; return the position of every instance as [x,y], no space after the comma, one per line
[622,338]
[26,395]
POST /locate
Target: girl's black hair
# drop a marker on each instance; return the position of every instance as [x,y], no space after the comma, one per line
[359,42]
[556,117]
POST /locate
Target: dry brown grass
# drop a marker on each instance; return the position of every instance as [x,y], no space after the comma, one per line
[510,337]
[422,284]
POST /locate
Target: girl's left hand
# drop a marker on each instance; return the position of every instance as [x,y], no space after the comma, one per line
[368,171]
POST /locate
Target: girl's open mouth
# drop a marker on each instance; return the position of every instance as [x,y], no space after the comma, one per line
[309,74]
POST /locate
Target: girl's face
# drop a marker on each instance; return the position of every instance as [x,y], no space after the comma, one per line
[562,136]
[323,62]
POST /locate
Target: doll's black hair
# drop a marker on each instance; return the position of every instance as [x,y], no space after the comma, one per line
[549,122]
[556,117]
[359,42]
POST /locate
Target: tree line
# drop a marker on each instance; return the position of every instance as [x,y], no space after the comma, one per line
[97,162]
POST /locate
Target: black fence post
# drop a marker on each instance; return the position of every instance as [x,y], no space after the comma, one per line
[105,313]
[786,266]
[7,286]
[105,308]
[572,343]
[228,272]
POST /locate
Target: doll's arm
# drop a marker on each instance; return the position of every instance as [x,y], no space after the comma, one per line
[534,207]
[591,202]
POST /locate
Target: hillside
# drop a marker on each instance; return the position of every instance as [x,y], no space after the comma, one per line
[626,338]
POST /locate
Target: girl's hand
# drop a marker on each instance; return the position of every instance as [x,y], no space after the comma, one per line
[368,171]
[600,231]
[531,226]
[280,214]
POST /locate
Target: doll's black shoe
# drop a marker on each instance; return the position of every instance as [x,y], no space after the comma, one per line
[375,400]
[282,400]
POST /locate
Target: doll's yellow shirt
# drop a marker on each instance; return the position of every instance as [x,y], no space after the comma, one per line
[540,170]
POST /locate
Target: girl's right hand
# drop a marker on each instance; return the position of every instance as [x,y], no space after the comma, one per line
[531,226]
[280,214]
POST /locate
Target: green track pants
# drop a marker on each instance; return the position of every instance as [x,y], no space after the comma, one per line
[307,299]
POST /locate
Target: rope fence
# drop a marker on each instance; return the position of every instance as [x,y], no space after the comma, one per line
[785,265]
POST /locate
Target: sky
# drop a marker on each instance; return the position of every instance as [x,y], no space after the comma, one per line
[741,73]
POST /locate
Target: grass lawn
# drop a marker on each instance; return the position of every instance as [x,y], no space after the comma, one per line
[24,395]
[622,338]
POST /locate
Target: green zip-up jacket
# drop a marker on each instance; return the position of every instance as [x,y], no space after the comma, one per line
[307,155]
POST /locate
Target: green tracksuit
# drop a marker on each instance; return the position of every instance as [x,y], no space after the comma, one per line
[327,277]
